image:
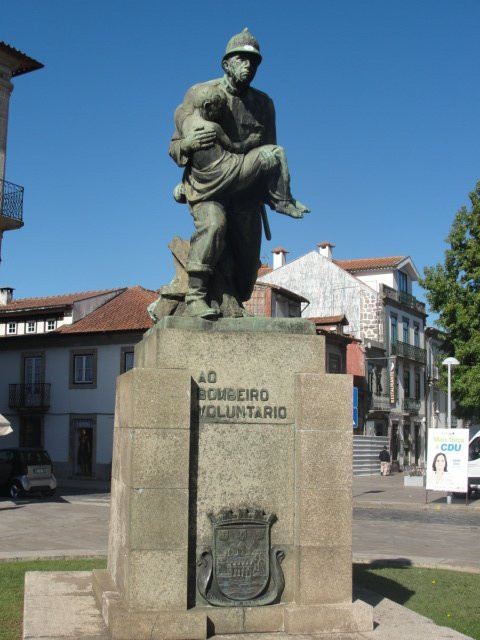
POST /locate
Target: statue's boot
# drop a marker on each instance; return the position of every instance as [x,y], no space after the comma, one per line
[231,308]
[196,298]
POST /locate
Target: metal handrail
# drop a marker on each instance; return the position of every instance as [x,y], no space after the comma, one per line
[380,402]
[412,405]
[405,298]
[399,348]
[11,200]
[34,395]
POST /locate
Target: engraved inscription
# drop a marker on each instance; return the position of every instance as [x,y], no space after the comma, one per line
[223,404]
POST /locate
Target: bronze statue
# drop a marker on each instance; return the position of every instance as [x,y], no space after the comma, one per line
[225,139]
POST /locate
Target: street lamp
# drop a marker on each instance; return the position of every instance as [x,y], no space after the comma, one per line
[449,362]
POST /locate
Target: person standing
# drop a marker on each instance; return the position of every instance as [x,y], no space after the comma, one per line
[384,457]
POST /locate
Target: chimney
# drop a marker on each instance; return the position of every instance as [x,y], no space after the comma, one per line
[279,257]
[6,295]
[325,249]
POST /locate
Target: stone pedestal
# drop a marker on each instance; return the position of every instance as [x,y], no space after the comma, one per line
[229,415]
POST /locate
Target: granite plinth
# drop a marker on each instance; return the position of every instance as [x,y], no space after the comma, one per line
[219,415]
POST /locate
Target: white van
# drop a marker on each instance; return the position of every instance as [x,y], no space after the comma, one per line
[474,459]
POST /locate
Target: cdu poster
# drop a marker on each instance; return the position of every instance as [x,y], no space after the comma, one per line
[447,460]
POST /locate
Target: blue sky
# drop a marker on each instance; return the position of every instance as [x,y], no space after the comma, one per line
[377,107]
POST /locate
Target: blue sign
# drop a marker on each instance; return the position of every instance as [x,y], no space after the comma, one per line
[355,407]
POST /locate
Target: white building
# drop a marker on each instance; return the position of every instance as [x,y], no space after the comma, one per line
[375,294]
[59,360]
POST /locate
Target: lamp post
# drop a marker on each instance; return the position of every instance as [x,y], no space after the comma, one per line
[449,362]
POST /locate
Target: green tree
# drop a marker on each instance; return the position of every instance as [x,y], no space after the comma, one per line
[453,291]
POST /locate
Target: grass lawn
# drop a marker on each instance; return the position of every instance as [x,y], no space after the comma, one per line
[449,598]
[11,589]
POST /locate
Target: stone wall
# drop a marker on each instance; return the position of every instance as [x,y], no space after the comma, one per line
[371,316]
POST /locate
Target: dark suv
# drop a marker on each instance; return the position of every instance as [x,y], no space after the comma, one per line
[26,470]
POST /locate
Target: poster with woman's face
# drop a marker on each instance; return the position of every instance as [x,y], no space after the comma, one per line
[447,460]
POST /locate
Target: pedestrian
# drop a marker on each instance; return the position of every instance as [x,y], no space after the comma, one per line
[384,457]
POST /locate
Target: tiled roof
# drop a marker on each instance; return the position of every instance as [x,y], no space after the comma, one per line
[364,264]
[51,301]
[264,269]
[126,312]
[24,63]
[340,319]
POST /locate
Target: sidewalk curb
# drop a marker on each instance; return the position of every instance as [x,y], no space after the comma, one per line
[412,506]
[357,558]
[413,561]
[29,556]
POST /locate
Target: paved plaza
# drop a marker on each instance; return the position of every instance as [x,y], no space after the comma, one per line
[391,524]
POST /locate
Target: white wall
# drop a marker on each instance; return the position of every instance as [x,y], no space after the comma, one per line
[100,401]
[330,289]
[56,436]
[374,280]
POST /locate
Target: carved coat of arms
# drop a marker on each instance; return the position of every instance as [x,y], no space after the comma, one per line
[241,569]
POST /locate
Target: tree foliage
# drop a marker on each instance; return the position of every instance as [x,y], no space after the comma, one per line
[453,291]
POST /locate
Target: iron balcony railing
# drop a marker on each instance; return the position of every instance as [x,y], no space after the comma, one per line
[411,405]
[11,200]
[404,297]
[398,348]
[29,396]
[379,402]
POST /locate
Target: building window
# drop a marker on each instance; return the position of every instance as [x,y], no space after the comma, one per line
[406,327]
[393,329]
[416,334]
[11,327]
[371,370]
[83,369]
[406,383]
[31,326]
[33,373]
[126,359]
[50,325]
[402,282]
[334,363]
[378,381]
[417,385]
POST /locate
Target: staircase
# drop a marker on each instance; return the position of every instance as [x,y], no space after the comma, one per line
[365,454]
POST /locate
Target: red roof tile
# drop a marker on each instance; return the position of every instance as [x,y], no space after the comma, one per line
[364,264]
[126,312]
[263,270]
[52,301]
[340,319]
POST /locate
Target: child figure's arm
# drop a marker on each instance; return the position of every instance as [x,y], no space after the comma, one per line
[253,140]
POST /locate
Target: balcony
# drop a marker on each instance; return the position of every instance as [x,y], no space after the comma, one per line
[11,205]
[409,351]
[404,298]
[411,405]
[29,396]
[379,402]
